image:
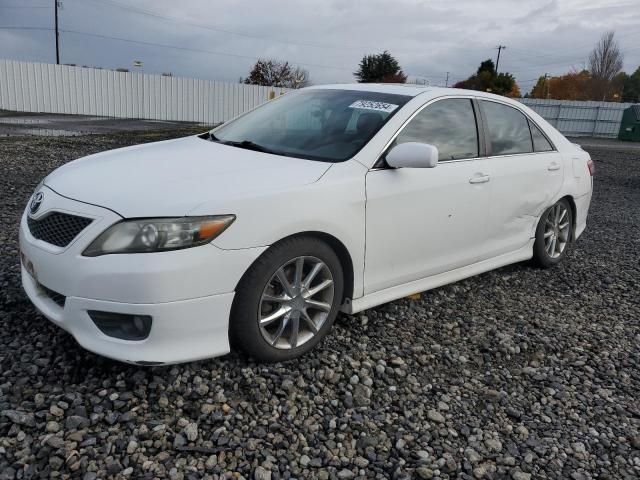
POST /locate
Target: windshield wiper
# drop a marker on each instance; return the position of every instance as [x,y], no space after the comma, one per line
[249,145]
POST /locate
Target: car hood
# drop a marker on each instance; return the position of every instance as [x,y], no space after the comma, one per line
[173,177]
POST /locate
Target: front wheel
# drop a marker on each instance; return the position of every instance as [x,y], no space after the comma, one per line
[553,234]
[287,301]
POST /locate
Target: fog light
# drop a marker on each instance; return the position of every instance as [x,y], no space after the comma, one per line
[122,325]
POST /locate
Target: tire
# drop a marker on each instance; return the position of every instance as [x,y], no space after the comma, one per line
[262,296]
[546,254]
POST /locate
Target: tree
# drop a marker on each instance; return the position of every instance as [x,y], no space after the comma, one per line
[572,86]
[382,67]
[276,73]
[514,92]
[540,89]
[631,87]
[300,78]
[605,62]
[486,80]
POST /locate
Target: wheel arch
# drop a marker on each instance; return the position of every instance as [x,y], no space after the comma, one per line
[572,204]
[337,246]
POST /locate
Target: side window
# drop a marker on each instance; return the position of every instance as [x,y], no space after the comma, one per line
[540,142]
[508,129]
[449,125]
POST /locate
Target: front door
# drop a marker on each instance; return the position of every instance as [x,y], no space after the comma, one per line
[425,221]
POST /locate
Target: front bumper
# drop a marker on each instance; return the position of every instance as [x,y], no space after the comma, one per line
[188,293]
[182,331]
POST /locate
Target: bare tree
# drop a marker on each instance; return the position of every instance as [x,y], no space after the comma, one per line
[300,78]
[276,73]
[605,62]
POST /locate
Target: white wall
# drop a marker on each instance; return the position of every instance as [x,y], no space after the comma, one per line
[44,87]
[576,118]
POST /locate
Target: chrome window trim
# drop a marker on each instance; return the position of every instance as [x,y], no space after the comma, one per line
[466,97]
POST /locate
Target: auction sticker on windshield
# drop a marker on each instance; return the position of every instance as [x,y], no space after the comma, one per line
[371,105]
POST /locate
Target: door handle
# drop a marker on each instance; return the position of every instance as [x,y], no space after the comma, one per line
[553,166]
[480,179]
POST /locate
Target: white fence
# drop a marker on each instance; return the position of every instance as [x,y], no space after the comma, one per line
[575,118]
[44,87]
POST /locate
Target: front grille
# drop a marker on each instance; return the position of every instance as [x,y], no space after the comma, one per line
[55,296]
[57,228]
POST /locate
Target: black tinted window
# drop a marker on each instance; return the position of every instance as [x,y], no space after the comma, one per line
[450,125]
[508,129]
[540,142]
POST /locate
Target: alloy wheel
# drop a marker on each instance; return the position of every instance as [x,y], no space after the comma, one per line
[296,302]
[556,230]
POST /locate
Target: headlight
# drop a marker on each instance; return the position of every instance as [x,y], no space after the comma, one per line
[158,234]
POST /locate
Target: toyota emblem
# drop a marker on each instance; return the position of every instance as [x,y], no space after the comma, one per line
[36,202]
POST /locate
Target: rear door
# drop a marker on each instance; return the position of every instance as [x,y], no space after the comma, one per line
[526,174]
[425,221]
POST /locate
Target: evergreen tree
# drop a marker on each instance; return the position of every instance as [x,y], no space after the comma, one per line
[382,67]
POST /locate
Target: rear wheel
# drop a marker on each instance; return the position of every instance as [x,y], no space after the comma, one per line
[553,234]
[287,301]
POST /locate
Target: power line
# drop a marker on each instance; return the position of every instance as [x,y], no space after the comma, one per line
[197,50]
[572,49]
[25,28]
[219,29]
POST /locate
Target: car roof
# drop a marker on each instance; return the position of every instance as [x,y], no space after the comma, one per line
[409,90]
[397,88]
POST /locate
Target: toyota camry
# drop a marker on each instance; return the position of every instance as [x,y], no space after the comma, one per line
[255,235]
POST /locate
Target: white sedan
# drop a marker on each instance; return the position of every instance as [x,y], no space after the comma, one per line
[333,198]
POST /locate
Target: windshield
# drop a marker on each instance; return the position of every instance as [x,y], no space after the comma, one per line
[327,125]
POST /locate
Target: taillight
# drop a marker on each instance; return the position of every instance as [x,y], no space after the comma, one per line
[592,167]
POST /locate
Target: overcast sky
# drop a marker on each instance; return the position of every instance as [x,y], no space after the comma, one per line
[327,37]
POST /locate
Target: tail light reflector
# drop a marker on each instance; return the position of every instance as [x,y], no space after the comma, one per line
[592,167]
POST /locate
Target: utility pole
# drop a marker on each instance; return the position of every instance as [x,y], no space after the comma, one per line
[55,2]
[546,83]
[446,82]
[499,47]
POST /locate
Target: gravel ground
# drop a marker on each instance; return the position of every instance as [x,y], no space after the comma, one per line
[519,373]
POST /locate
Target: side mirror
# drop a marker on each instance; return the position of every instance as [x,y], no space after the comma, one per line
[413,155]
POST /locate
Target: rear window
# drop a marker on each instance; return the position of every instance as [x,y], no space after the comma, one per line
[540,142]
[508,129]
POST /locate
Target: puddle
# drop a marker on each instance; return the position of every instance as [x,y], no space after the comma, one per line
[43,132]
[24,121]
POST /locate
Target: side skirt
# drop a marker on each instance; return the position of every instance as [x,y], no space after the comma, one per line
[393,293]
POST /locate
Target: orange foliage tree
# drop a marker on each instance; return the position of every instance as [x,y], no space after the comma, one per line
[572,86]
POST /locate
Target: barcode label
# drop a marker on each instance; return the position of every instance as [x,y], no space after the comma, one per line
[371,105]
